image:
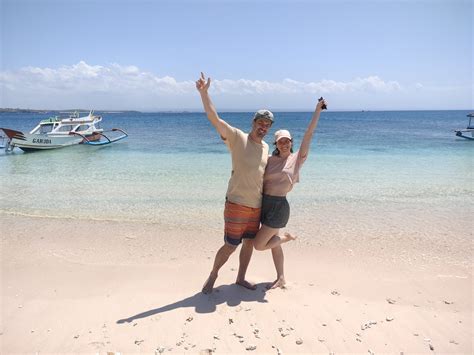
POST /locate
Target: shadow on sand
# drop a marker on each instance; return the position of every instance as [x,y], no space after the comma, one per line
[233,295]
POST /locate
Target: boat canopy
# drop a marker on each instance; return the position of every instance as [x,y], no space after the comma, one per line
[53,119]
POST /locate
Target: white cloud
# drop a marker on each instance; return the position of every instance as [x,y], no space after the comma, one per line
[118,86]
[85,77]
[290,86]
[82,77]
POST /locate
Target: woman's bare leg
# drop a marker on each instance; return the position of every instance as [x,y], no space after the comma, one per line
[278,260]
[268,238]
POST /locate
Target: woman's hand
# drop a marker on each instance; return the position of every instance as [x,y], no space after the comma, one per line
[202,85]
[322,105]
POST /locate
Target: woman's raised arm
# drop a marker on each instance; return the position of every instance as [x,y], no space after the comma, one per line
[308,136]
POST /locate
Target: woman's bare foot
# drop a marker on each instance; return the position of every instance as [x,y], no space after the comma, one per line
[278,283]
[209,285]
[287,237]
[246,284]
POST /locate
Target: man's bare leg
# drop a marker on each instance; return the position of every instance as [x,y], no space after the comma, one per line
[244,260]
[222,256]
[278,260]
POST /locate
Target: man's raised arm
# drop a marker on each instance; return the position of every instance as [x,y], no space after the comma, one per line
[202,86]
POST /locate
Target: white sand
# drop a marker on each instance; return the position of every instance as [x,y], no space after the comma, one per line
[73,286]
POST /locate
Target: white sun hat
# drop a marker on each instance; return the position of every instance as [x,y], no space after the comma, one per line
[282,133]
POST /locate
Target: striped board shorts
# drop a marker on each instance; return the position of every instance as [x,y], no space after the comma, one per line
[240,222]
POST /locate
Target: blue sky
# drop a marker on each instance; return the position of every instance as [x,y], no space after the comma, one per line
[146,55]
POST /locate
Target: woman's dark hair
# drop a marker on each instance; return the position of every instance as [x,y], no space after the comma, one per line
[277,152]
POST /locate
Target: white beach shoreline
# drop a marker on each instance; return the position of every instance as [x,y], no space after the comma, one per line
[78,286]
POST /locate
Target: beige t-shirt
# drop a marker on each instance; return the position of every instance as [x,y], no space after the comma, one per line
[248,166]
[281,174]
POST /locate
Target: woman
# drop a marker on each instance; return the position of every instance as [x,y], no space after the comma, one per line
[281,173]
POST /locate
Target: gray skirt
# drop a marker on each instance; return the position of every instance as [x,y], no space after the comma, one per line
[275,211]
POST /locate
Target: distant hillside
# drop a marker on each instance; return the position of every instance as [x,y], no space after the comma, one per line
[29,110]
[24,110]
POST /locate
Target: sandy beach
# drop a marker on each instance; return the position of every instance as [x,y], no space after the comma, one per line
[78,286]
[106,243]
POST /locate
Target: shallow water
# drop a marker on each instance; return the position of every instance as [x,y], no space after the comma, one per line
[173,169]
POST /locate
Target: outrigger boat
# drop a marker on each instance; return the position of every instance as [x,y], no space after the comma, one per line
[56,132]
[467,133]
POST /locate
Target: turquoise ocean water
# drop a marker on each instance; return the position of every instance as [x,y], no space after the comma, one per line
[173,169]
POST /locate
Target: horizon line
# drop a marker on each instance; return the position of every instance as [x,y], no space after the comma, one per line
[195,110]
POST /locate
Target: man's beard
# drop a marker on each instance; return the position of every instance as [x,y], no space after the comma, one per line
[260,133]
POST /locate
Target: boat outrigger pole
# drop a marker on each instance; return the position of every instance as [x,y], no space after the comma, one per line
[107,141]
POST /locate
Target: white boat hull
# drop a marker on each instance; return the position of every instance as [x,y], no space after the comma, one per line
[55,132]
[30,142]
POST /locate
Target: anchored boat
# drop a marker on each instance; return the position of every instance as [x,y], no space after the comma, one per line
[56,132]
[467,133]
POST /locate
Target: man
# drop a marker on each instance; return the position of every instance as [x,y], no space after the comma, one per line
[244,193]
